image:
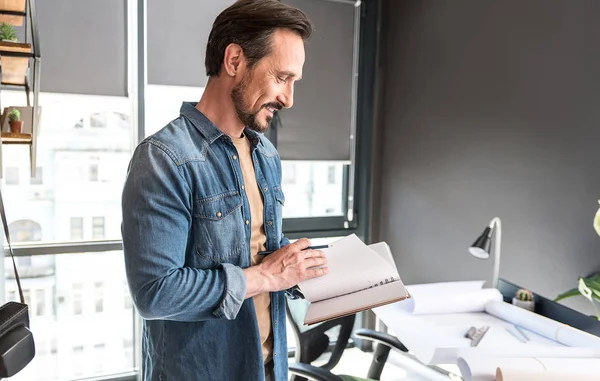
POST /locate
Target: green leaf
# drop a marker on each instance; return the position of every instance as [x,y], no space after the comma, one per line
[593,285]
[585,290]
[567,294]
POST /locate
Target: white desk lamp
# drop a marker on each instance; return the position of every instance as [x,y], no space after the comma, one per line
[481,247]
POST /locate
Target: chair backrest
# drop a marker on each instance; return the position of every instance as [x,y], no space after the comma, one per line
[312,341]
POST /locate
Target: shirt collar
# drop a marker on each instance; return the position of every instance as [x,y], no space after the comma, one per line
[208,128]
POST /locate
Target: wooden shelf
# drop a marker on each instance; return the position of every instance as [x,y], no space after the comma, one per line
[10,138]
[17,47]
[14,69]
[17,6]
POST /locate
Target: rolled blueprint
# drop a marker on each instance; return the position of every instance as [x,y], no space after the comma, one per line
[523,375]
[476,367]
[448,298]
[543,326]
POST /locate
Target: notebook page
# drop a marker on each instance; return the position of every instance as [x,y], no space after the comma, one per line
[353,266]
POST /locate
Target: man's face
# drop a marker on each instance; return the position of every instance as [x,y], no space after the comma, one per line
[269,86]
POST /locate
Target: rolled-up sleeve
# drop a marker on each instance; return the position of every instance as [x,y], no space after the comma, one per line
[157,218]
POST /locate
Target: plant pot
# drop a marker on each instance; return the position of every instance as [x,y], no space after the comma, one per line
[525,304]
[15,126]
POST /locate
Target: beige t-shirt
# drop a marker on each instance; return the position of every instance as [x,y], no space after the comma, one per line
[258,239]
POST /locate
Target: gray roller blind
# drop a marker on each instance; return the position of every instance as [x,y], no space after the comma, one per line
[177,35]
[83,46]
[317,127]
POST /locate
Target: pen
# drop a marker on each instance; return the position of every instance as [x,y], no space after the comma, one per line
[515,335]
[521,332]
[308,248]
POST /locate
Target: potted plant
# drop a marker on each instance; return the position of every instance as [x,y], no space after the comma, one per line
[524,299]
[8,33]
[15,122]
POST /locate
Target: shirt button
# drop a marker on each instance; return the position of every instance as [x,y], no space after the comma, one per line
[234,157]
[219,214]
[270,222]
[247,222]
[242,187]
[265,188]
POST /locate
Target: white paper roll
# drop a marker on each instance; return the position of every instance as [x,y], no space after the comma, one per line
[485,368]
[449,297]
[523,375]
[543,326]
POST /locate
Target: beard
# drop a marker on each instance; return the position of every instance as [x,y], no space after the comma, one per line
[244,110]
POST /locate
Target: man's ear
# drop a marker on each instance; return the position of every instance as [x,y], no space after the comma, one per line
[233,59]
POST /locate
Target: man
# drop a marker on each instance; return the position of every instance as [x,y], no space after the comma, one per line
[203,196]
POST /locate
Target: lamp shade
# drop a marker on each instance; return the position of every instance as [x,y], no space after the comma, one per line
[481,247]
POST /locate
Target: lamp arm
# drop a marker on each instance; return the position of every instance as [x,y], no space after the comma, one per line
[497,242]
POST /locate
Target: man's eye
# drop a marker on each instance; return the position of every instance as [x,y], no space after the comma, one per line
[281,80]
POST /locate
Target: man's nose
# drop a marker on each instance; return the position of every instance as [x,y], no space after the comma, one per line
[286,98]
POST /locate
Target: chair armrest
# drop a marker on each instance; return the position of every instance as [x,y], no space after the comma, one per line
[313,372]
[381,338]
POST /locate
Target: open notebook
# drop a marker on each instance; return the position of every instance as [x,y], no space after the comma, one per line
[360,277]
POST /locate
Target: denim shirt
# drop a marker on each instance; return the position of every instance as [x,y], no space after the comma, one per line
[186,238]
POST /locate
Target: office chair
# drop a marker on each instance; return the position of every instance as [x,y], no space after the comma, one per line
[385,342]
[312,341]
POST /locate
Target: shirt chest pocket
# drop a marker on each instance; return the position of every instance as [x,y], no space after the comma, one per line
[218,229]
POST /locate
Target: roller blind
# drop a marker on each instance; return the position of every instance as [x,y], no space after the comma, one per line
[317,127]
[83,45]
[177,35]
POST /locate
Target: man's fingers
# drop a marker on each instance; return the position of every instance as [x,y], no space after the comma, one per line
[302,243]
[316,272]
[313,254]
[314,262]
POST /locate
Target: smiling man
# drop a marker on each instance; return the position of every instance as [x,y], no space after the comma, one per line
[203,197]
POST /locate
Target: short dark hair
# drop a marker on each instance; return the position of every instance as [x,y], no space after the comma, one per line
[250,24]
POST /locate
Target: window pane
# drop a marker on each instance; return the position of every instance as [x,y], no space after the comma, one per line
[84,147]
[164,102]
[12,175]
[72,339]
[98,228]
[76,228]
[313,189]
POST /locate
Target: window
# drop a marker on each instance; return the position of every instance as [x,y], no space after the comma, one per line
[311,194]
[99,303]
[77,299]
[289,173]
[12,175]
[331,174]
[76,228]
[77,339]
[25,231]
[40,302]
[93,172]
[98,228]
[38,179]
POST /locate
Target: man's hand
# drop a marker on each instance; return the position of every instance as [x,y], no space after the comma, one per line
[285,268]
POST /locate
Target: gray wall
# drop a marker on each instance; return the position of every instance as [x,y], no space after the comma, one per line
[491,108]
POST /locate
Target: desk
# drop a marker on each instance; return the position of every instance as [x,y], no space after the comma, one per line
[439,338]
